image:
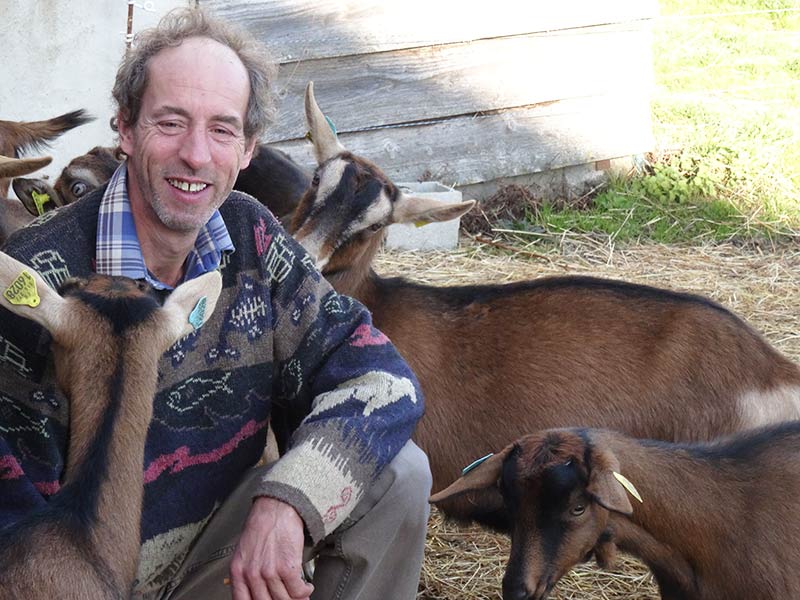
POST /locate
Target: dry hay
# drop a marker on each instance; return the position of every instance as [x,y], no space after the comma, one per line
[761,285]
[509,204]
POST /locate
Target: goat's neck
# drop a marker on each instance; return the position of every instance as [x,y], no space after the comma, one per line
[364,287]
[110,411]
[357,279]
[673,572]
[675,529]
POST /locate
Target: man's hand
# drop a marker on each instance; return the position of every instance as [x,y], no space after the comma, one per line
[268,561]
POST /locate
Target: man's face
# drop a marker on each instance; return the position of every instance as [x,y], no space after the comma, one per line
[188,145]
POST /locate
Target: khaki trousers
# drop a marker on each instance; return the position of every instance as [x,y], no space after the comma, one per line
[376,554]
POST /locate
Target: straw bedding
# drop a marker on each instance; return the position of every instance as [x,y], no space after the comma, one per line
[760,284]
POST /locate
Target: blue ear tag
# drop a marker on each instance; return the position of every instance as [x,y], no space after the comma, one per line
[331,125]
[198,314]
[472,465]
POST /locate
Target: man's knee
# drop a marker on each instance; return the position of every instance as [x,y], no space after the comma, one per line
[412,478]
[413,469]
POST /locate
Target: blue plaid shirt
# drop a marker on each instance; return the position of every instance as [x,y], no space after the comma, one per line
[118,248]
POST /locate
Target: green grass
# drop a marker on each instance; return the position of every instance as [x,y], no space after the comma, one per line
[726,119]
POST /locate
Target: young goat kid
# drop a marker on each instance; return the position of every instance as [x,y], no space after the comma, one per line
[108,334]
[717,521]
[83,174]
[12,215]
[498,361]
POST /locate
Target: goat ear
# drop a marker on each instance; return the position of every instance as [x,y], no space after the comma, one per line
[604,486]
[40,302]
[483,476]
[191,304]
[16,167]
[412,209]
[25,189]
[326,143]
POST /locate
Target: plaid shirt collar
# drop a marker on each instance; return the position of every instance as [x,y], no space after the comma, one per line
[118,248]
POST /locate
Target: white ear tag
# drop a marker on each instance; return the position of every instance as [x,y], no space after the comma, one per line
[627,485]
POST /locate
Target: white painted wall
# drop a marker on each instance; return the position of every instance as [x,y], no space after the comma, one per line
[62,55]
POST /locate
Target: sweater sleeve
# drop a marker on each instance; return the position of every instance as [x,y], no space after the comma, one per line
[32,431]
[350,401]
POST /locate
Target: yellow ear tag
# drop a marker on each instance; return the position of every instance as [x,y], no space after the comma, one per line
[23,291]
[627,485]
[40,200]
[421,223]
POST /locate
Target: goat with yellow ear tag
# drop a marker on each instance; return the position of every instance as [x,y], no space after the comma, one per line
[108,334]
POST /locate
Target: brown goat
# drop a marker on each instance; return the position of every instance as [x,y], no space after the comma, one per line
[17,137]
[272,178]
[498,361]
[83,174]
[717,521]
[12,214]
[108,334]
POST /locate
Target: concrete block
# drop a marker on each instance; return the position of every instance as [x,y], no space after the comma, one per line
[435,236]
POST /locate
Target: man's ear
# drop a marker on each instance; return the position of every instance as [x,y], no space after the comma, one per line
[249,149]
[125,131]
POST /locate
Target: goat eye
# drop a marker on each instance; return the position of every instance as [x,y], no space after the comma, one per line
[375,227]
[578,510]
[79,188]
[315,180]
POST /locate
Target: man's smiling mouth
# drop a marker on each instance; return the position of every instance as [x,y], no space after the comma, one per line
[185,186]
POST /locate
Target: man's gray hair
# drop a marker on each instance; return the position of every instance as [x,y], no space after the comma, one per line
[177,26]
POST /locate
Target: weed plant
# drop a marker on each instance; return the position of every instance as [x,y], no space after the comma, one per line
[725,118]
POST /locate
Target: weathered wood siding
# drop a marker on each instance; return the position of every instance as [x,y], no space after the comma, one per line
[461,95]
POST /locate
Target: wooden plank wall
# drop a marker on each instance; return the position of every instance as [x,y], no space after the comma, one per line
[437,90]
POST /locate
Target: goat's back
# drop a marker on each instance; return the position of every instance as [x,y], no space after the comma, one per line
[274,179]
[496,362]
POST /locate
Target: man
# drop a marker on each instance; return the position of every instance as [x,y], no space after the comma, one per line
[281,347]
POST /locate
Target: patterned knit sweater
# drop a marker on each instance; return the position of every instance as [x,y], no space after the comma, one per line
[280,346]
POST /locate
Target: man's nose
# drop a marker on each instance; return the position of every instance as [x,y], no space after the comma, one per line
[195,150]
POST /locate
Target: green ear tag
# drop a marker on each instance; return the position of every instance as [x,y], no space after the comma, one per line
[421,223]
[23,291]
[626,483]
[40,200]
[198,314]
[474,464]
